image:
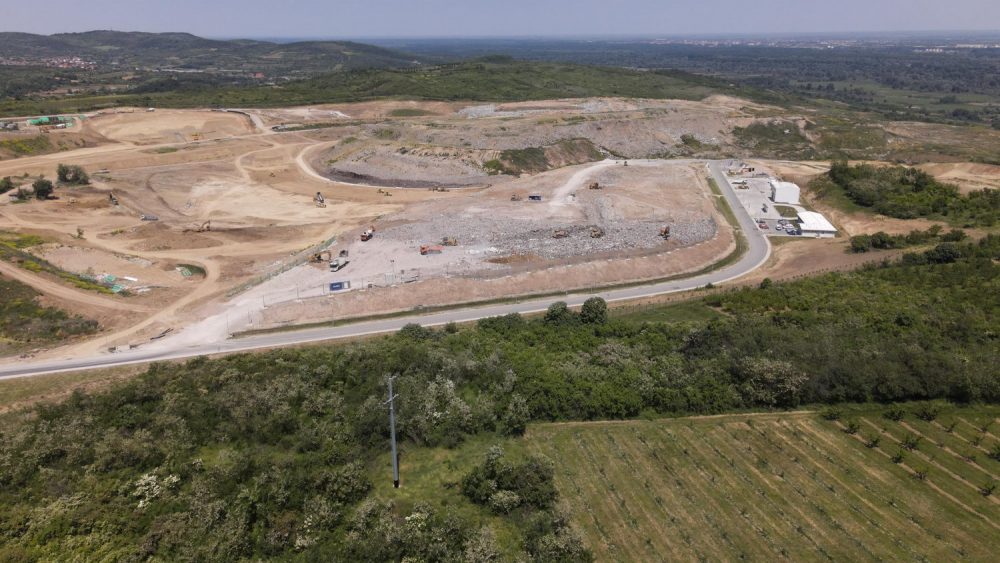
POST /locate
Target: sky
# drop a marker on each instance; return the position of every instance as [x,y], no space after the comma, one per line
[504,18]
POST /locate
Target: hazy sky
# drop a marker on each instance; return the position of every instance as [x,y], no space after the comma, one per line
[465,18]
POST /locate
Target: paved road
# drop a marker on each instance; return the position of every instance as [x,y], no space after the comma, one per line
[757,253]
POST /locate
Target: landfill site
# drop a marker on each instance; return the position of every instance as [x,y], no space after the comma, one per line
[210,223]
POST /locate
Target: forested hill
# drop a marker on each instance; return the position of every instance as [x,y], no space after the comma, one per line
[183,50]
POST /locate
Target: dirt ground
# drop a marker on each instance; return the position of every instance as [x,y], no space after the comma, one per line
[230,195]
[140,127]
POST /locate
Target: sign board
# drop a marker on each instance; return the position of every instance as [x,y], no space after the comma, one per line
[340,286]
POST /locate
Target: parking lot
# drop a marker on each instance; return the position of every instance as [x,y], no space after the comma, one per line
[754,193]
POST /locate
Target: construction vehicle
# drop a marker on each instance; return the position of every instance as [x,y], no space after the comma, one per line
[534,198]
[449,241]
[368,234]
[665,232]
[320,256]
[319,200]
[206,226]
[431,249]
[596,186]
[560,233]
[113,199]
[337,264]
[515,197]
[596,232]
[343,253]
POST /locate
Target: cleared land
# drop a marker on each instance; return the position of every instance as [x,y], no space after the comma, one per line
[784,486]
[233,192]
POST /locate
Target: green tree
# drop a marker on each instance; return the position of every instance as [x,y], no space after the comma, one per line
[861,243]
[6,185]
[559,314]
[43,188]
[595,311]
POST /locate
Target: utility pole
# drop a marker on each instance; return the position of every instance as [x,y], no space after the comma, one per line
[392,434]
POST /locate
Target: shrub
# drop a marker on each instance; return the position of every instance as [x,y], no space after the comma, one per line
[502,485]
[72,174]
[831,413]
[987,489]
[852,427]
[926,412]
[43,188]
[595,311]
[894,413]
[559,313]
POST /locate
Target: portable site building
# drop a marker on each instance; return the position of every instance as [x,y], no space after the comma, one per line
[784,192]
[815,225]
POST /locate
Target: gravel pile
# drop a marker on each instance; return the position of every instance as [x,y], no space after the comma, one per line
[520,236]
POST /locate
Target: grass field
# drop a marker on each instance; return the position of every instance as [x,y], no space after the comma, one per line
[783,486]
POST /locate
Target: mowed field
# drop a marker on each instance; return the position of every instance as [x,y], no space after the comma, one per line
[793,487]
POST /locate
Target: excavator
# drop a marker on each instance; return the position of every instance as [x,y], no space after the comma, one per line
[665,232]
[206,226]
[319,200]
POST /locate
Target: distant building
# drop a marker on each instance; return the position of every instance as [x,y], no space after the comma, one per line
[784,192]
[815,225]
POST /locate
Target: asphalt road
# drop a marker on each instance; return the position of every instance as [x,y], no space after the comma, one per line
[759,249]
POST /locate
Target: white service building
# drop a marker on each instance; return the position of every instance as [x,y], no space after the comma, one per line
[815,225]
[784,192]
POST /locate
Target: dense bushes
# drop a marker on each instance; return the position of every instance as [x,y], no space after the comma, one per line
[528,490]
[907,193]
[884,241]
[72,174]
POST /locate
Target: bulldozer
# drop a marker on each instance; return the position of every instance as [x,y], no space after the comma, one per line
[560,233]
[596,232]
[449,241]
[515,197]
[596,186]
[665,232]
[368,234]
[319,200]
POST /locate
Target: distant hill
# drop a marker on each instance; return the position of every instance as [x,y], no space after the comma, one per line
[190,52]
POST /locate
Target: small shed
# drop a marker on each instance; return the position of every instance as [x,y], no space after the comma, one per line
[815,225]
[784,192]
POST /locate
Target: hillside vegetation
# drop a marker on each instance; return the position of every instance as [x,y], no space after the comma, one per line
[24,322]
[269,455]
[492,80]
[907,193]
[190,52]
